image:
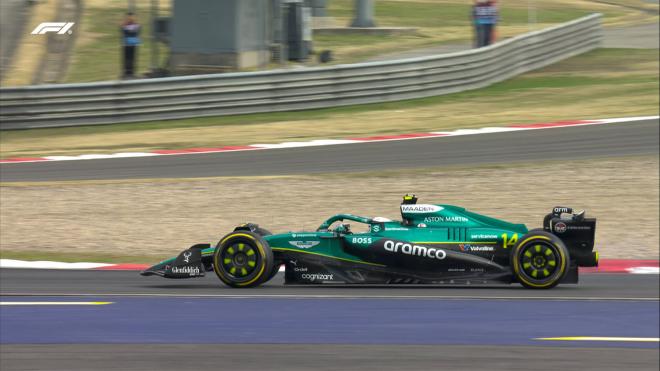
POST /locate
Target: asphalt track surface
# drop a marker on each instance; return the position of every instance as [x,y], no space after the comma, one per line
[560,144]
[98,283]
[159,324]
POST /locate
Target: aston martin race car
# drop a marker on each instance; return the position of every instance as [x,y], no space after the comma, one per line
[431,244]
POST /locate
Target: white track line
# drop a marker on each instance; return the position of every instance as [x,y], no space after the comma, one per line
[94,156]
[644,270]
[627,119]
[40,303]
[487,130]
[331,296]
[312,143]
[10,263]
[601,338]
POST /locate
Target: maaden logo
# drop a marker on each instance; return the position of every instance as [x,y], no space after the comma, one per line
[420,209]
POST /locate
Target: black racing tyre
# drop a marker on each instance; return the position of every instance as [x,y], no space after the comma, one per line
[540,260]
[243,259]
[262,231]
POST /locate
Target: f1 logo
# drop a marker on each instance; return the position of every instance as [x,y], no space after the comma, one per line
[60,27]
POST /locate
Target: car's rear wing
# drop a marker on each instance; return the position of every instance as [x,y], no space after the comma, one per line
[576,231]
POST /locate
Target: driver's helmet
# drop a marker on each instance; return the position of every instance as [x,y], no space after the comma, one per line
[343,228]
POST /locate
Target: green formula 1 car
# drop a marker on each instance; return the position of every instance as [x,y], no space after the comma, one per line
[432,244]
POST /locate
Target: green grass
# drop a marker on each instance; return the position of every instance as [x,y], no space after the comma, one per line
[342,40]
[97,54]
[437,24]
[239,120]
[444,14]
[99,57]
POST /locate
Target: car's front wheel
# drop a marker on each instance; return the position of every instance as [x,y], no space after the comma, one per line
[540,260]
[242,259]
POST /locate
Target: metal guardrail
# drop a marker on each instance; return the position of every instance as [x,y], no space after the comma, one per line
[293,89]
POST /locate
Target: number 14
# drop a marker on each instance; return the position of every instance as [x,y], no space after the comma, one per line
[509,242]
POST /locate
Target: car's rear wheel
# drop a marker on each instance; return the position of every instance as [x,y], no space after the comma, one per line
[540,260]
[243,259]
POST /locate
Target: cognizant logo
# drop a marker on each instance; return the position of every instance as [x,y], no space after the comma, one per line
[317,277]
[409,249]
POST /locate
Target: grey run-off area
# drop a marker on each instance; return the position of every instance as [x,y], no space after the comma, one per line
[567,143]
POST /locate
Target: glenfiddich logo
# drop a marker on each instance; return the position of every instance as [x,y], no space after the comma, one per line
[186,256]
[192,271]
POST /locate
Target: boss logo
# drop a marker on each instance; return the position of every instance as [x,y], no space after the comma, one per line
[361,240]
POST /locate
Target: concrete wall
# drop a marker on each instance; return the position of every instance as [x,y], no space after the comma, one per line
[219,35]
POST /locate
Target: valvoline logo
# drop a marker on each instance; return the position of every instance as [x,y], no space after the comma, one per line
[471,248]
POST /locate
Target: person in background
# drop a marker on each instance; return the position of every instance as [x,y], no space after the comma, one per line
[130,30]
[484,17]
[493,30]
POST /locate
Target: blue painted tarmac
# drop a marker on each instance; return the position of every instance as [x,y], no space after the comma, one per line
[179,320]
